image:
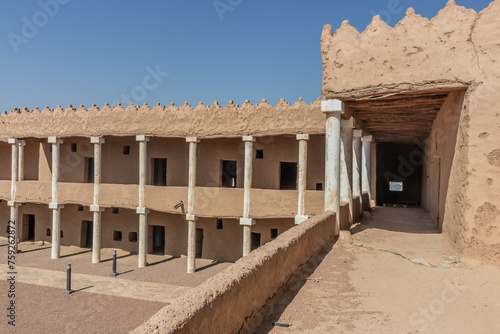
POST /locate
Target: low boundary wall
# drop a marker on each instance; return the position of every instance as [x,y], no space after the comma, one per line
[226,302]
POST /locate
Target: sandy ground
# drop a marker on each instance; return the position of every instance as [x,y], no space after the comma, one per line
[44,309]
[47,310]
[360,290]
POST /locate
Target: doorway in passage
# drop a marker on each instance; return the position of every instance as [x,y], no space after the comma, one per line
[159,240]
[199,243]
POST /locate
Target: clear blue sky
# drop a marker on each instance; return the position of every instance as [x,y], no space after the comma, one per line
[97,51]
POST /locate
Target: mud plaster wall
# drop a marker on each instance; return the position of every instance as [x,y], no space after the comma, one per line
[221,306]
[5,161]
[185,121]
[456,45]
[439,153]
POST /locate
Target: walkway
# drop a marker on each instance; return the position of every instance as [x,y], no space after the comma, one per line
[156,292]
[392,279]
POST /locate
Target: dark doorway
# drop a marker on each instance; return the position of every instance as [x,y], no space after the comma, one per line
[199,243]
[88,226]
[160,172]
[90,170]
[399,173]
[228,174]
[159,240]
[255,240]
[29,226]
[288,177]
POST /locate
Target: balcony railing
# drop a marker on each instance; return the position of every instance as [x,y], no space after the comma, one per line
[209,201]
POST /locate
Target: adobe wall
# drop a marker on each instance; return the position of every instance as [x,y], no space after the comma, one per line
[230,301]
[184,121]
[439,154]
[457,46]
[5,162]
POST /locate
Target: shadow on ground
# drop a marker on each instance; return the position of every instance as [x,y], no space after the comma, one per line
[297,281]
[403,220]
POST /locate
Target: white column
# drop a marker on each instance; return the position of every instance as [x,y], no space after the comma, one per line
[96,233]
[346,165]
[302,178]
[333,110]
[141,209]
[356,169]
[14,211]
[190,217]
[246,221]
[21,145]
[56,208]
[366,167]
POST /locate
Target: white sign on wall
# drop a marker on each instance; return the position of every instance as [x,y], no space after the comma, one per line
[395,186]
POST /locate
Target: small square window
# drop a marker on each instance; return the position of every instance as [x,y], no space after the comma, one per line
[219,224]
[115,211]
[73,147]
[259,154]
[126,150]
[80,208]
[117,235]
[132,237]
[61,234]
[48,232]
[274,233]
[319,186]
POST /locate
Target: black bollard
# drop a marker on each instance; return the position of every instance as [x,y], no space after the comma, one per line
[113,274]
[68,280]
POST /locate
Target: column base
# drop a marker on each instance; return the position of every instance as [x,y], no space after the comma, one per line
[345,237]
[300,219]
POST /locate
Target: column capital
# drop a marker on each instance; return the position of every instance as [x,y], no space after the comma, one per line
[56,206]
[357,133]
[191,218]
[97,140]
[54,140]
[248,138]
[247,221]
[334,106]
[347,123]
[192,140]
[142,211]
[367,139]
[300,219]
[302,137]
[96,208]
[14,141]
[143,138]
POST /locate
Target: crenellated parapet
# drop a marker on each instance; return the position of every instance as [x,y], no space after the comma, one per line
[172,121]
[457,45]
